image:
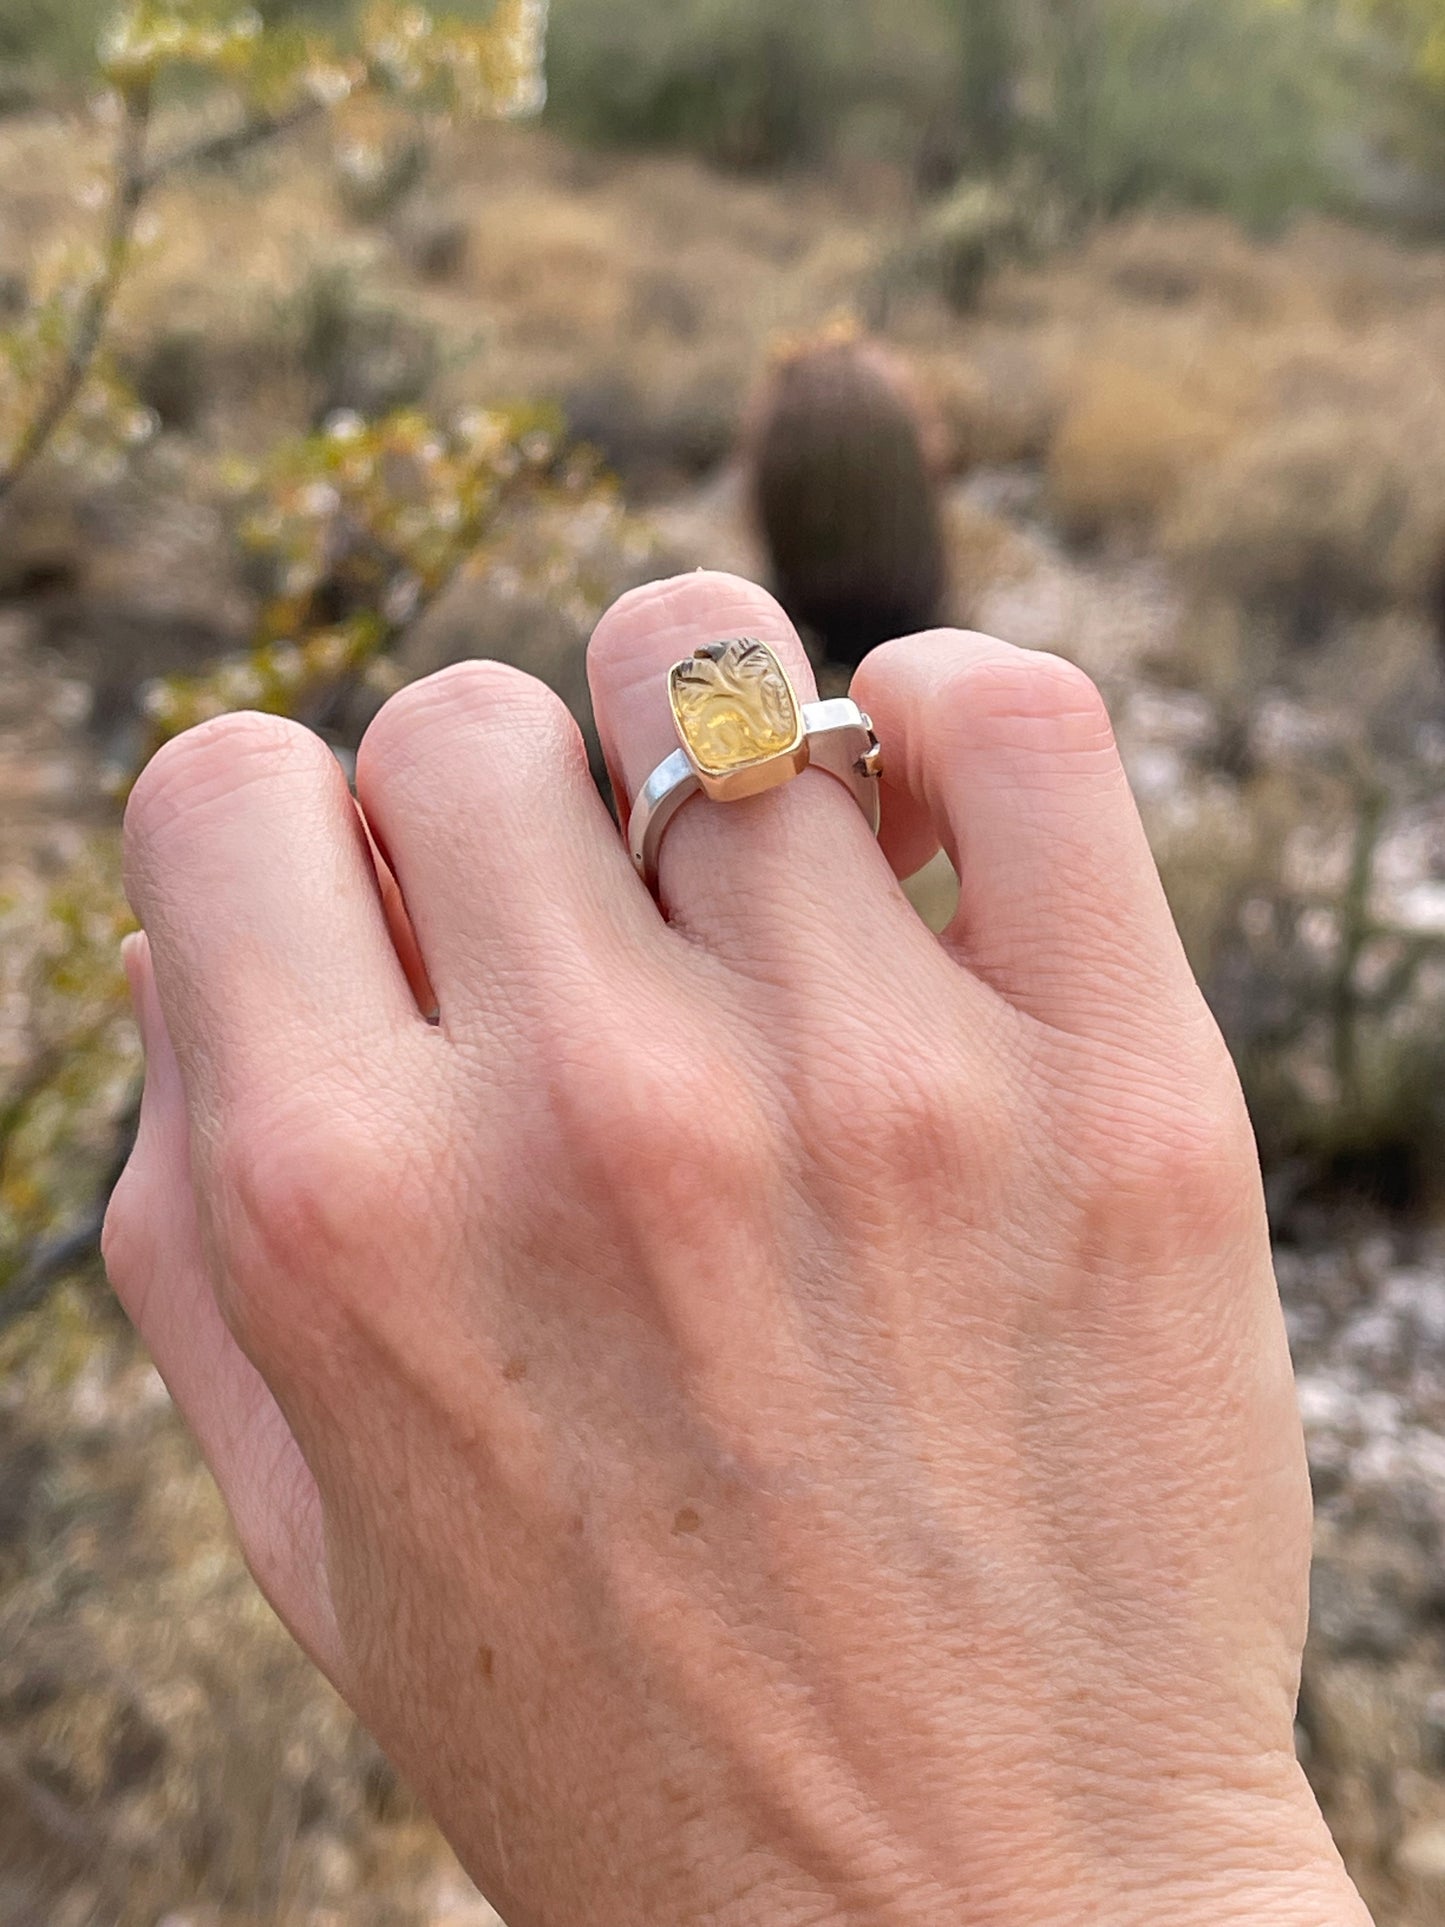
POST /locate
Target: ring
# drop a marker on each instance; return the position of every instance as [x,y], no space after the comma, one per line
[743,732]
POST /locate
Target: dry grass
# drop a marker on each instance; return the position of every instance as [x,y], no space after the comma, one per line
[167,1747]
[1318,515]
[1277,411]
[985,552]
[1129,443]
[993,397]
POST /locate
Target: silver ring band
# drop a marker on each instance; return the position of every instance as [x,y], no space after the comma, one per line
[839,739]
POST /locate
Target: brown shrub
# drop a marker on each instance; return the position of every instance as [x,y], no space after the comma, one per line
[984,551]
[657,436]
[1173,262]
[993,404]
[1127,446]
[1331,512]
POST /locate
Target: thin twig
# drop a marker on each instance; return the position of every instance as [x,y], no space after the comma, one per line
[35,1079]
[1355,934]
[50,1263]
[214,149]
[47,1812]
[82,1839]
[131,187]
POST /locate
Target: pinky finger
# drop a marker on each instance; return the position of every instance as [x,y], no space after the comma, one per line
[157,1267]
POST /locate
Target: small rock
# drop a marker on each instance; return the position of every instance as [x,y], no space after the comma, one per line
[334,1870]
[1421,1855]
[458,1904]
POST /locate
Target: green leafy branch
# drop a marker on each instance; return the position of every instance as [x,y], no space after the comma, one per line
[280,80]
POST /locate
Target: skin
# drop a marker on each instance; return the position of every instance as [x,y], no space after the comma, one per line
[770,1417]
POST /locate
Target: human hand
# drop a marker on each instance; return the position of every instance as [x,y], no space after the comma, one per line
[768,1417]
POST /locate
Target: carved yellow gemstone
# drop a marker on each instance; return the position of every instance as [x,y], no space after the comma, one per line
[735,707]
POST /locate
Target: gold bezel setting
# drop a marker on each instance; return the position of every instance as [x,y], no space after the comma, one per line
[738,718]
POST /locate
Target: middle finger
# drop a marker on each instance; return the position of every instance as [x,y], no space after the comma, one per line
[476,786]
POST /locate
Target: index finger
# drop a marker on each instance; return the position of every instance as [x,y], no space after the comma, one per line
[248,866]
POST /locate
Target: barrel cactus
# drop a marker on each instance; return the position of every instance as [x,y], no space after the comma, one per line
[846,496]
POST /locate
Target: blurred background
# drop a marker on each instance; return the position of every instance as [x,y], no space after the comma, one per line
[330,353]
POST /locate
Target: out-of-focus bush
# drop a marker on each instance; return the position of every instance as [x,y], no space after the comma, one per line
[1218,103]
[1211,103]
[41,34]
[356,351]
[977,124]
[1397,53]
[1330,992]
[1293,864]
[1130,440]
[1251,106]
[744,83]
[1315,518]
[374,180]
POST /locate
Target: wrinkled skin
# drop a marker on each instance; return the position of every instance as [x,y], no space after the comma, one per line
[769,1417]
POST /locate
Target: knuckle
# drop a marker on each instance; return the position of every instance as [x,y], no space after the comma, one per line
[1181,1161]
[461,700]
[306,1204]
[654,1128]
[126,1244]
[214,762]
[1025,698]
[933,1120]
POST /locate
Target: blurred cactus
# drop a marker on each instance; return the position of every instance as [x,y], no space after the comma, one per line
[980,125]
[847,496]
[962,240]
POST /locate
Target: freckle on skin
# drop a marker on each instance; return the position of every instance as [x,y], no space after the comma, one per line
[687,1521]
[486,1663]
[514,1370]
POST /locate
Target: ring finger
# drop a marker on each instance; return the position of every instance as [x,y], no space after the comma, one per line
[745,877]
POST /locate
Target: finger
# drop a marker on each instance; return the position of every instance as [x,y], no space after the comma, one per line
[730,872]
[476,784]
[248,867]
[157,1265]
[1010,754]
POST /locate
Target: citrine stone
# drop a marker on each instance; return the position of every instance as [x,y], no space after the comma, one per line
[735,707]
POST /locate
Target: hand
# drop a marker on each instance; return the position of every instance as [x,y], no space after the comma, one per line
[770,1418]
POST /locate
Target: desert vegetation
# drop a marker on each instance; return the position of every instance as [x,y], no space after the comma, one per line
[328,354]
